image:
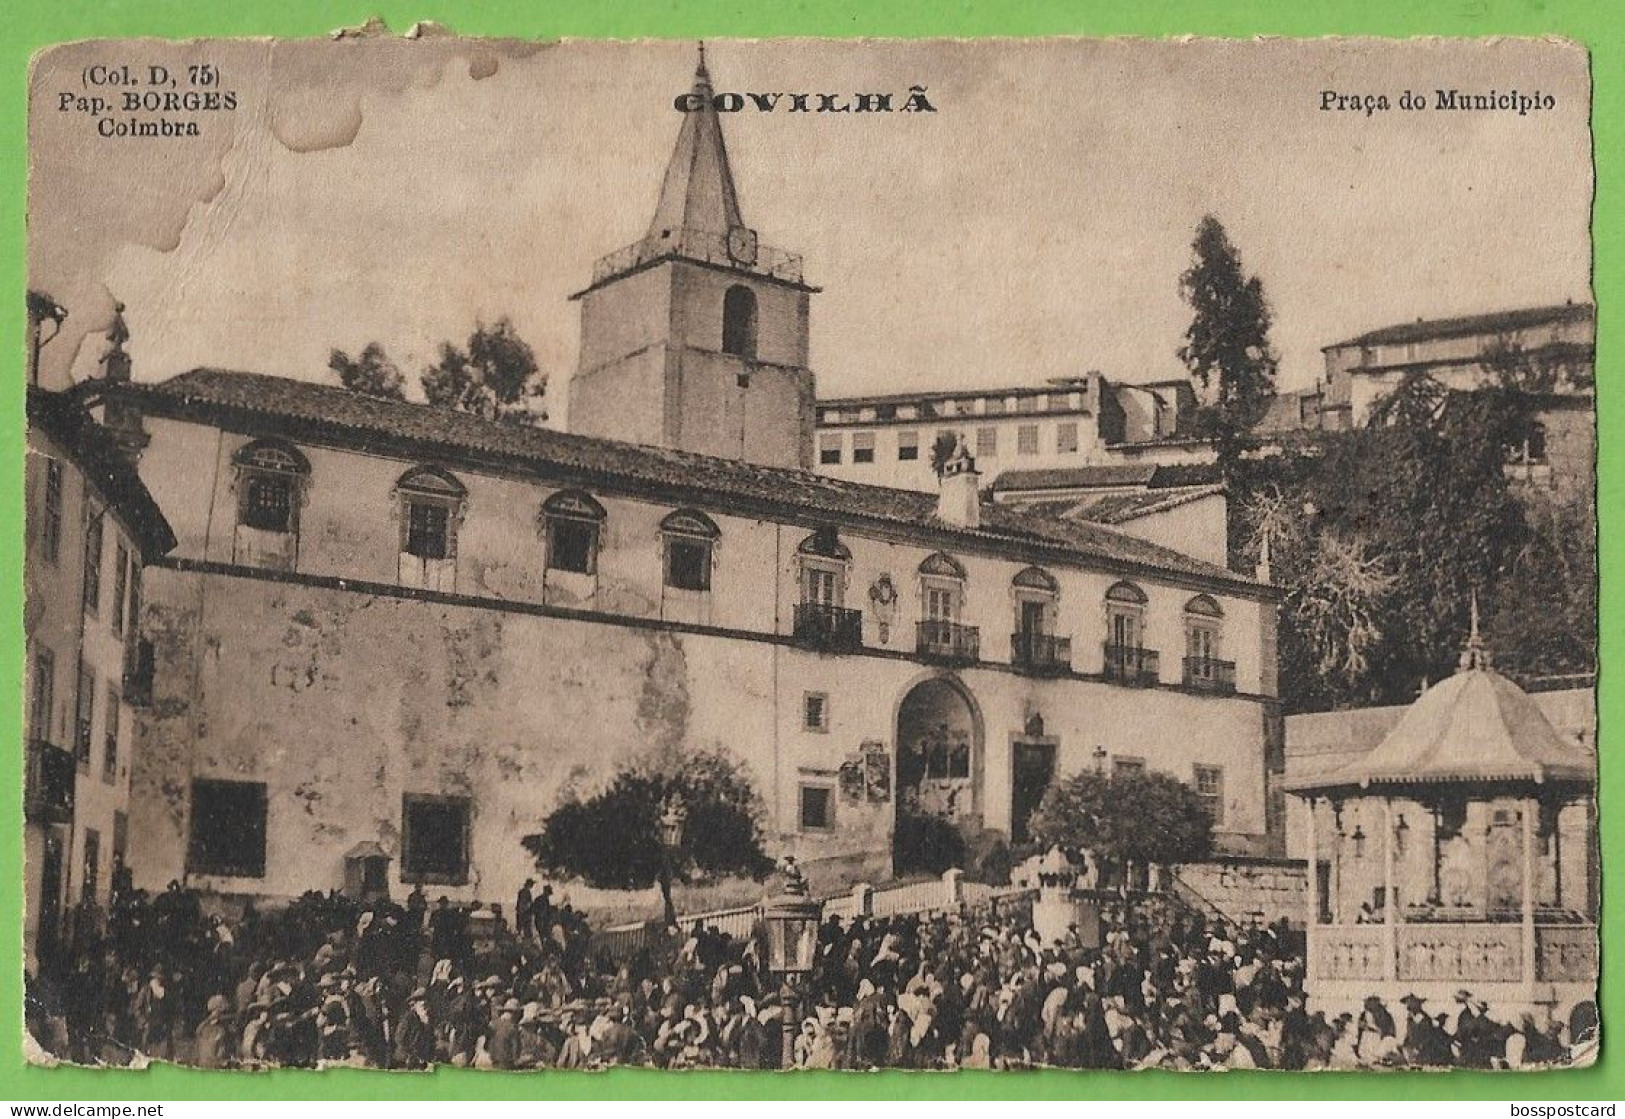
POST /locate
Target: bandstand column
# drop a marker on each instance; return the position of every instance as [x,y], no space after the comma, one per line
[1530,807]
[1311,915]
[1390,919]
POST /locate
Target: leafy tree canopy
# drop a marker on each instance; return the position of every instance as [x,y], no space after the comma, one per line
[495,375]
[1227,345]
[1126,818]
[1381,538]
[370,372]
[611,839]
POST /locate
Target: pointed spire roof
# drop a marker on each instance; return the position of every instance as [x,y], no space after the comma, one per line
[1474,726]
[698,192]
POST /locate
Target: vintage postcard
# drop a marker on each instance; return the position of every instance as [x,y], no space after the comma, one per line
[811,554]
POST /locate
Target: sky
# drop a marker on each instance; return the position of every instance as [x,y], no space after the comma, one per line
[1034,226]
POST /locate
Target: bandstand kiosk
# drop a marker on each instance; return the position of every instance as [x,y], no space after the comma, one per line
[1458,854]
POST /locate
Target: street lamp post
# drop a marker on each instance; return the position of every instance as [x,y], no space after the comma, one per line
[673,813]
[791,920]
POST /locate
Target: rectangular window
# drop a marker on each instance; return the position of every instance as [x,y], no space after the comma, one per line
[1127,767]
[1027,439]
[227,832]
[965,407]
[85,716]
[941,604]
[1210,787]
[908,446]
[267,502]
[88,879]
[40,702]
[829,450]
[987,442]
[93,564]
[815,711]
[110,729]
[886,412]
[863,446]
[572,545]
[50,536]
[121,587]
[688,563]
[994,406]
[1027,405]
[817,808]
[1066,438]
[428,530]
[820,586]
[434,839]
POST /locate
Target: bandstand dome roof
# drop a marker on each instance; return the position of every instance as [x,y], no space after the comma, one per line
[1476,726]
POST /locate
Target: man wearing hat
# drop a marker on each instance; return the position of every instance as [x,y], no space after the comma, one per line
[1425,1045]
[213,1044]
[414,1037]
[502,1044]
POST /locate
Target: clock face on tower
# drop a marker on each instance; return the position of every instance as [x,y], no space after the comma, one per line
[742,245]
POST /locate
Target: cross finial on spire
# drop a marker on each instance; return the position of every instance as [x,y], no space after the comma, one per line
[116,359]
[1475,655]
[700,71]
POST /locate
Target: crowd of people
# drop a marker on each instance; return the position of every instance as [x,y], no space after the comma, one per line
[329,980]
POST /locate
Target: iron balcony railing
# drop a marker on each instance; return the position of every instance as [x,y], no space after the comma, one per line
[1205,674]
[1041,652]
[948,640]
[1130,664]
[829,629]
[49,784]
[700,245]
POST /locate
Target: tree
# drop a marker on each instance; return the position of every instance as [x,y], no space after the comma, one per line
[1123,819]
[942,449]
[1382,538]
[495,376]
[612,839]
[1227,346]
[370,372]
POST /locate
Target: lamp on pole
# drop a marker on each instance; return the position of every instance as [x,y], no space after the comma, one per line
[791,920]
[1100,760]
[673,813]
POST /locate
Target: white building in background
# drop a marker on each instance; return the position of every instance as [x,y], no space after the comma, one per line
[398,634]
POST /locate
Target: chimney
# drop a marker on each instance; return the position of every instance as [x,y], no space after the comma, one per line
[959,502]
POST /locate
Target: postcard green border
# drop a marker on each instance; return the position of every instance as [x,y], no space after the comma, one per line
[32,24]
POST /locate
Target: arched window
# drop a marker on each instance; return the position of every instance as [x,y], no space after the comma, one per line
[573,521]
[1033,644]
[824,563]
[1204,630]
[689,538]
[1125,615]
[431,506]
[739,322]
[271,478]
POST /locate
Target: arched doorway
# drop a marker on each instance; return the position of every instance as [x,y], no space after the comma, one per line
[939,770]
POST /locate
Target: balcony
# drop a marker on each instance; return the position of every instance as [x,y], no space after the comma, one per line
[1204,674]
[48,792]
[828,629]
[948,641]
[1132,665]
[1041,653]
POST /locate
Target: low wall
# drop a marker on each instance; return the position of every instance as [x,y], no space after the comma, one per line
[1247,889]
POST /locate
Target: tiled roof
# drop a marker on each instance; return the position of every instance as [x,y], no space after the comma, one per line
[396,429]
[1148,475]
[62,417]
[1475,726]
[1497,322]
[1118,508]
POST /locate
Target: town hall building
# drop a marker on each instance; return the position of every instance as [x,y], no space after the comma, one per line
[397,635]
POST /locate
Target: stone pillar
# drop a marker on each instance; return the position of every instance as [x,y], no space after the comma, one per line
[1390,921]
[953,888]
[1530,807]
[863,900]
[1312,908]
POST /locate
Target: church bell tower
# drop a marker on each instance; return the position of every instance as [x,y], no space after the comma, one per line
[695,337]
